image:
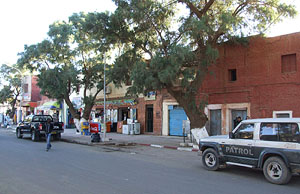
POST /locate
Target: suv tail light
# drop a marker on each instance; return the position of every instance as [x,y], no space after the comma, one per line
[40,127]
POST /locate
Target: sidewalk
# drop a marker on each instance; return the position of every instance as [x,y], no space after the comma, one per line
[169,142]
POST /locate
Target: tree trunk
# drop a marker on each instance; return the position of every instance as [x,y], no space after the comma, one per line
[195,114]
[87,111]
[74,113]
[13,109]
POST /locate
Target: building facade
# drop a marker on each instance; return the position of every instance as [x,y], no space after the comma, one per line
[260,80]
[145,110]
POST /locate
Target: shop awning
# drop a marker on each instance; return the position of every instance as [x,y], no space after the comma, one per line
[50,105]
[30,104]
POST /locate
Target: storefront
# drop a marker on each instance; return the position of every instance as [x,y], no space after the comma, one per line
[29,108]
[117,110]
[53,108]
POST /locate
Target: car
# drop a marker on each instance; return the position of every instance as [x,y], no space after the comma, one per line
[35,126]
[271,144]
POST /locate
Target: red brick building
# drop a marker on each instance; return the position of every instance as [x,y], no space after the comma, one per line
[31,94]
[259,80]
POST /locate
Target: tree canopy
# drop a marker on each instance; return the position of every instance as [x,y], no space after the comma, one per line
[163,48]
[70,58]
[11,86]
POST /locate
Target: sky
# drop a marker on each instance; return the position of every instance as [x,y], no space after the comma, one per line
[27,21]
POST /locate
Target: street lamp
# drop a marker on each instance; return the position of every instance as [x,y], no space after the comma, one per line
[104,120]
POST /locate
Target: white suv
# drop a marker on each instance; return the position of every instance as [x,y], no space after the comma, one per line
[272,145]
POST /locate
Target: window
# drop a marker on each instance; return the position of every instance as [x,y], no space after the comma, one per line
[245,131]
[289,132]
[285,132]
[282,114]
[28,118]
[232,75]
[288,63]
[269,131]
[25,88]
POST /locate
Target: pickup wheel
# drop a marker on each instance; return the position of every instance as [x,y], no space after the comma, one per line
[210,159]
[18,133]
[34,136]
[276,171]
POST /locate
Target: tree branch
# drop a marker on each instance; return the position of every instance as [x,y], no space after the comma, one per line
[240,8]
[194,9]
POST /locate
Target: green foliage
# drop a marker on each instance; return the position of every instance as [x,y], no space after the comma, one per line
[162,49]
[71,57]
[10,86]
[6,94]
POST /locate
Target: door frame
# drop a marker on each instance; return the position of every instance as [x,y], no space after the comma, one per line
[165,117]
[146,118]
[226,113]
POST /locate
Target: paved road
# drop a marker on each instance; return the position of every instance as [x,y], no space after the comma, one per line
[25,167]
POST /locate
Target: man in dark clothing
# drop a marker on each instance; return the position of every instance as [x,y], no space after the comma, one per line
[237,120]
[48,130]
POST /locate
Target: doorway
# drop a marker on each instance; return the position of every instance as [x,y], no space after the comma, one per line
[215,122]
[149,118]
[235,114]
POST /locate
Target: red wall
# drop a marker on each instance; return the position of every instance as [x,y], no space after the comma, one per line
[259,77]
[157,114]
[35,90]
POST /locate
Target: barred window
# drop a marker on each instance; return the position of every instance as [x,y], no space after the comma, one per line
[288,63]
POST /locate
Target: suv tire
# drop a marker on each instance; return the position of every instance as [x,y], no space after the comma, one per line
[34,136]
[210,159]
[276,171]
[18,133]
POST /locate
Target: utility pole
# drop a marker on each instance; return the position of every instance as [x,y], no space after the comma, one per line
[104,108]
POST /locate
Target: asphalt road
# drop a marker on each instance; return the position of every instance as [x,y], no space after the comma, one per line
[25,167]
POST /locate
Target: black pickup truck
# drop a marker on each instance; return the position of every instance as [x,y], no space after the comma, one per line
[35,126]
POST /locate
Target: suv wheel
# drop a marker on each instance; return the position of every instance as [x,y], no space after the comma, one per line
[34,136]
[210,159]
[18,133]
[276,171]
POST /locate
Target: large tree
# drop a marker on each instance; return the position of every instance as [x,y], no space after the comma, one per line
[163,48]
[10,86]
[69,59]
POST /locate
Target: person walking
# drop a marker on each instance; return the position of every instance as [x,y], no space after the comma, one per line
[48,130]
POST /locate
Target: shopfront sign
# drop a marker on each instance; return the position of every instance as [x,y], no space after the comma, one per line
[123,102]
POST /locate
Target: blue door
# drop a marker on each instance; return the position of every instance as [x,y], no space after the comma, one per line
[176,116]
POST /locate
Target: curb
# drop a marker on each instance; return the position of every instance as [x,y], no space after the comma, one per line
[171,147]
[130,144]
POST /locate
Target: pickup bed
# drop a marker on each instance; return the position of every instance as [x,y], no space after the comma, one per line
[35,126]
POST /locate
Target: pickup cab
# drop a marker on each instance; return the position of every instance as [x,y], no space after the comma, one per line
[35,126]
[272,145]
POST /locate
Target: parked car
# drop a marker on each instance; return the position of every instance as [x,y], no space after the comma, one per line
[35,126]
[272,145]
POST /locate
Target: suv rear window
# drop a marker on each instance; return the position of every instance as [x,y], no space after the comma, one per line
[285,132]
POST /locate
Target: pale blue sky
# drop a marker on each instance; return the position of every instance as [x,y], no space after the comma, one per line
[27,21]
